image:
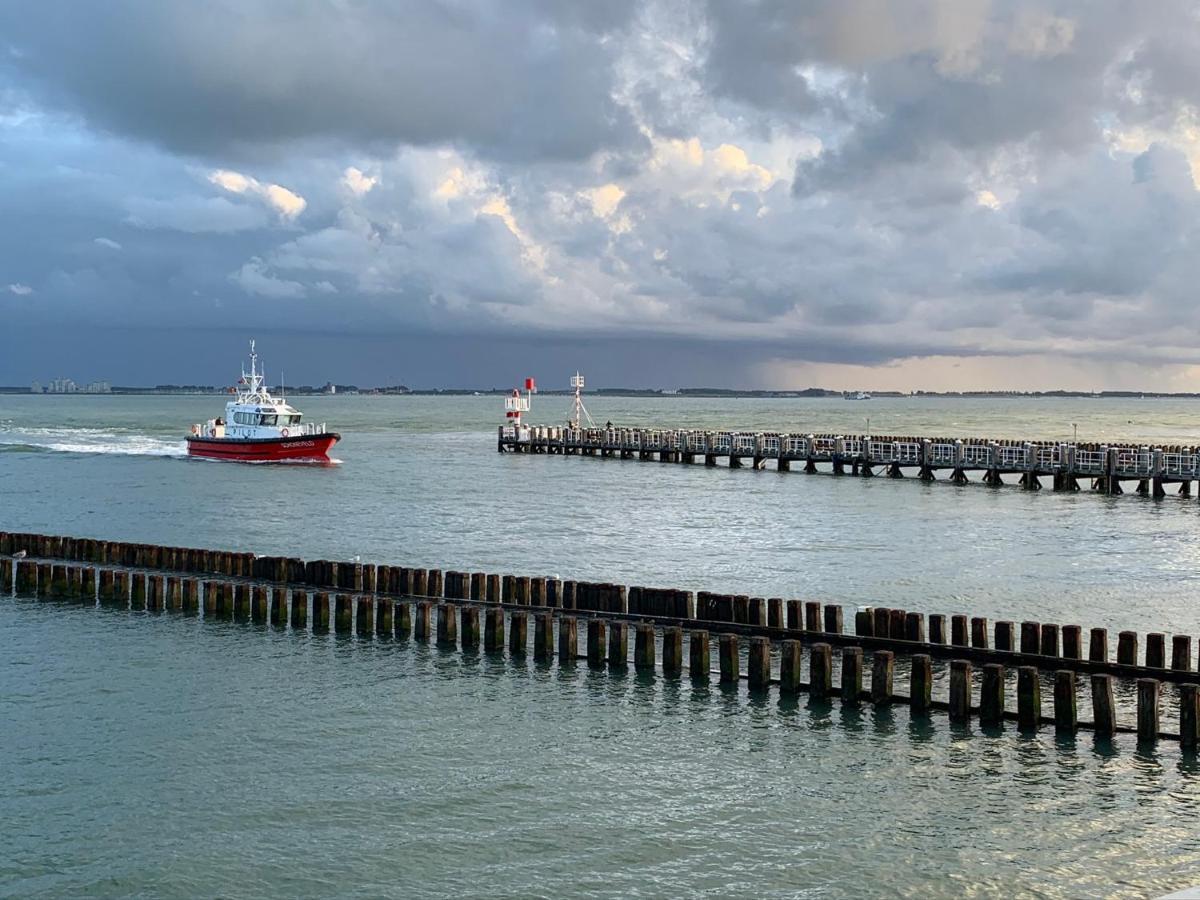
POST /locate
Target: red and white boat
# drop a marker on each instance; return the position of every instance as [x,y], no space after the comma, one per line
[260,428]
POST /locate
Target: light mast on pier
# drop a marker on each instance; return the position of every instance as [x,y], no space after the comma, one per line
[580,412]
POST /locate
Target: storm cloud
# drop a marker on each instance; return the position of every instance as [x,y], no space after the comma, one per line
[770,185]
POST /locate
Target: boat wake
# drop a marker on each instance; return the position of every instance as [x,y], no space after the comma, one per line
[17,439]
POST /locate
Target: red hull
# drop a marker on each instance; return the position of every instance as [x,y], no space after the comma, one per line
[308,448]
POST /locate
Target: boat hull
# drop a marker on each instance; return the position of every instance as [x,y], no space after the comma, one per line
[312,448]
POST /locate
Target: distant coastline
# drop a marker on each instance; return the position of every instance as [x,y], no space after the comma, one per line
[699,392]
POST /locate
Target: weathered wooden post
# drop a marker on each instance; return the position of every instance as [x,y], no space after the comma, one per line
[852,674]
[789,667]
[1072,642]
[1098,646]
[914,627]
[6,575]
[1127,648]
[1181,653]
[87,584]
[759,663]
[320,612]
[402,619]
[364,615]
[958,630]
[568,640]
[820,661]
[881,621]
[937,628]
[493,629]
[343,614]
[423,626]
[1104,710]
[518,632]
[882,668]
[643,647]
[597,645]
[1029,698]
[672,654]
[469,619]
[1156,650]
[795,615]
[543,637]
[812,615]
[1189,717]
[775,612]
[385,623]
[299,611]
[174,592]
[1031,637]
[618,644]
[1049,639]
[991,695]
[27,577]
[864,623]
[730,659]
[137,591]
[979,632]
[920,698]
[1006,636]
[447,625]
[43,583]
[492,592]
[1147,709]
[960,690]
[279,612]
[258,603]
[833,618]
[191,596]
[699,655]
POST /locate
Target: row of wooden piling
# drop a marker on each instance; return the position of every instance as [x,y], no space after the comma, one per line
[458,622]
[1045,645]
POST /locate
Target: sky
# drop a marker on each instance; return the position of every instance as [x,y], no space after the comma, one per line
[881,194]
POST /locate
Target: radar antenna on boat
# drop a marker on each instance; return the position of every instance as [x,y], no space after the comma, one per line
[580,413]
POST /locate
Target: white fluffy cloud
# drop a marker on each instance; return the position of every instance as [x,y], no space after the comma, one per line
[286,203]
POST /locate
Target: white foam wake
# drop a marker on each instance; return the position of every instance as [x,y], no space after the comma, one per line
[15,438]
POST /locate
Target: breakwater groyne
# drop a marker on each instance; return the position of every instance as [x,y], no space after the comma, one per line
[1066,466]
[794,646]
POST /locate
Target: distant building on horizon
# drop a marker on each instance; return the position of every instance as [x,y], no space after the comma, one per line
[67,386]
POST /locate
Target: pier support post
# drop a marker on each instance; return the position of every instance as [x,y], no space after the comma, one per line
[991,695]
[759,663]
[518,632]
[937,628]
[422,627]
[596,643]
[960,690]
[1066,718]
[618,644]
[137,591]
[1181,653]
[852,674]
[385,620]
[1029,698]
[364,616]
[1049,639]
[568,640]
[1104,710]
[920,694]
[914,627]
[402,620]
[447,625]
[1147,709]
[979,632]
[789,667]
[191,596]
[543,637]
[672,655]
[1072,642]
[1189,717]
[493,629]
[881,621]
[699,656]
[87,586]
[469,628]
[882,667]
[820,663]
[812,615]
[1156,650]
[258,603]
[1031,637]
[833,618]
[27,577]
[320,611]
[1098,645]
[1127,648]
[729,659]
[279,607]
[1005,636]
[774,612]
[958,631]
[864,623]
[299,611]
[795,615]
[241,601]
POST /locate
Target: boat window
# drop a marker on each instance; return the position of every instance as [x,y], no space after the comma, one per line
[293,420]
[268,420]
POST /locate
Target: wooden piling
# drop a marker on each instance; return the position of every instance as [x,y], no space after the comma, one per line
[759,663]
[1005,636]
[979,632]
[469,630]
[343,612]
[896,620]
[864,623]
[27,577]
[820,663]
[568,640]
[137,590]
[299,611]
[258,603]
[789,666]
[543,637]
[618,644]
[492,593]
[1098,645]
[812,615]
[643,647]
[729,659]
[447,625]
[518,632]
[882,668]
[597,651]
[279,611]
[672,655]
[493,629]
[87,585]
[1104,710]
[1147,709]
[385,624]
[960,690]
[795,615]
[699,656]
[241,601]
[191,595]
[43,582]
[1127,648]
[1156,650]
[1181,653]
[1072,642]
[1049,639]
[920,695]
[881,621]
[991,695]
[320,612]
[1031,637]
[775,612]
[423,623]
[937,628]
[833,618]
[1189,717]
[958,630]
[6,576]
[1029,698]
[402,619]
[174,595]
[364,616]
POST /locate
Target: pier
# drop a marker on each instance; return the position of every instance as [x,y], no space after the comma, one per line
[793,646]
[1064,466]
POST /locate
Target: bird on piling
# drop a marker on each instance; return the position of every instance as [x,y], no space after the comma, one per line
[20,554]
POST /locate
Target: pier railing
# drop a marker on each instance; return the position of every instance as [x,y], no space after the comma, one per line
[1103,466]
[783,636]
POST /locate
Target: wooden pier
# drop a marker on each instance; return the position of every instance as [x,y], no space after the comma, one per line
[1104,468]
[763,642]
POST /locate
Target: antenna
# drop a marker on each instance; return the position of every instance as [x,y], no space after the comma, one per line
[580,412]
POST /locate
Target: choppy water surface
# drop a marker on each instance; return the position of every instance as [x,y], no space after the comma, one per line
[177,757]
